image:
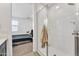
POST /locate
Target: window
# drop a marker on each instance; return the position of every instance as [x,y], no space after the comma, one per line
[14,25]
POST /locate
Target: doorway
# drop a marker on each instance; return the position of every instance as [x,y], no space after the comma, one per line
[22,29]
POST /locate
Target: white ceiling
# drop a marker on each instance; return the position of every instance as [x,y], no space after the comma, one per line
[22,10]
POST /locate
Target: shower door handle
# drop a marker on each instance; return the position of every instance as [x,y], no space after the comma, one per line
[75,33]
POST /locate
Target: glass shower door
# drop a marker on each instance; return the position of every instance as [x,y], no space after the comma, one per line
[61,25]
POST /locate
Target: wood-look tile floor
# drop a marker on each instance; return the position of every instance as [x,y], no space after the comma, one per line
[23,49]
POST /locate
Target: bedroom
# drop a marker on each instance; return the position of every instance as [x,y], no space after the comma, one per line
[22,28]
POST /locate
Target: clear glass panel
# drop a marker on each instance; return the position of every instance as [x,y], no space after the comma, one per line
[41,21]
[61,25]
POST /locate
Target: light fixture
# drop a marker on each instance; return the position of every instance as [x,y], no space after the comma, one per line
[77,13]
[57,7]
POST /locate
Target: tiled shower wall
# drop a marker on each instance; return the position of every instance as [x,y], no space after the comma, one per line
[61,25]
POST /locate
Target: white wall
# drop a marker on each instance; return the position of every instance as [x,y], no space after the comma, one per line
[5,25]
[22,12]
[24,25]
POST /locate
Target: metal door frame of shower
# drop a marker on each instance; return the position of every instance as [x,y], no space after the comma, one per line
[47,6]
[37,12]
[76,34]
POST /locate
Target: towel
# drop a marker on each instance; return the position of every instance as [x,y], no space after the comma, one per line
[44,36]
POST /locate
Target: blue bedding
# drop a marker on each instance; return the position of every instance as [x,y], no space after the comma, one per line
[22,37]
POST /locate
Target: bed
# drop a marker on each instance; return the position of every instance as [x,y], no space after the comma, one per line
[21,37]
